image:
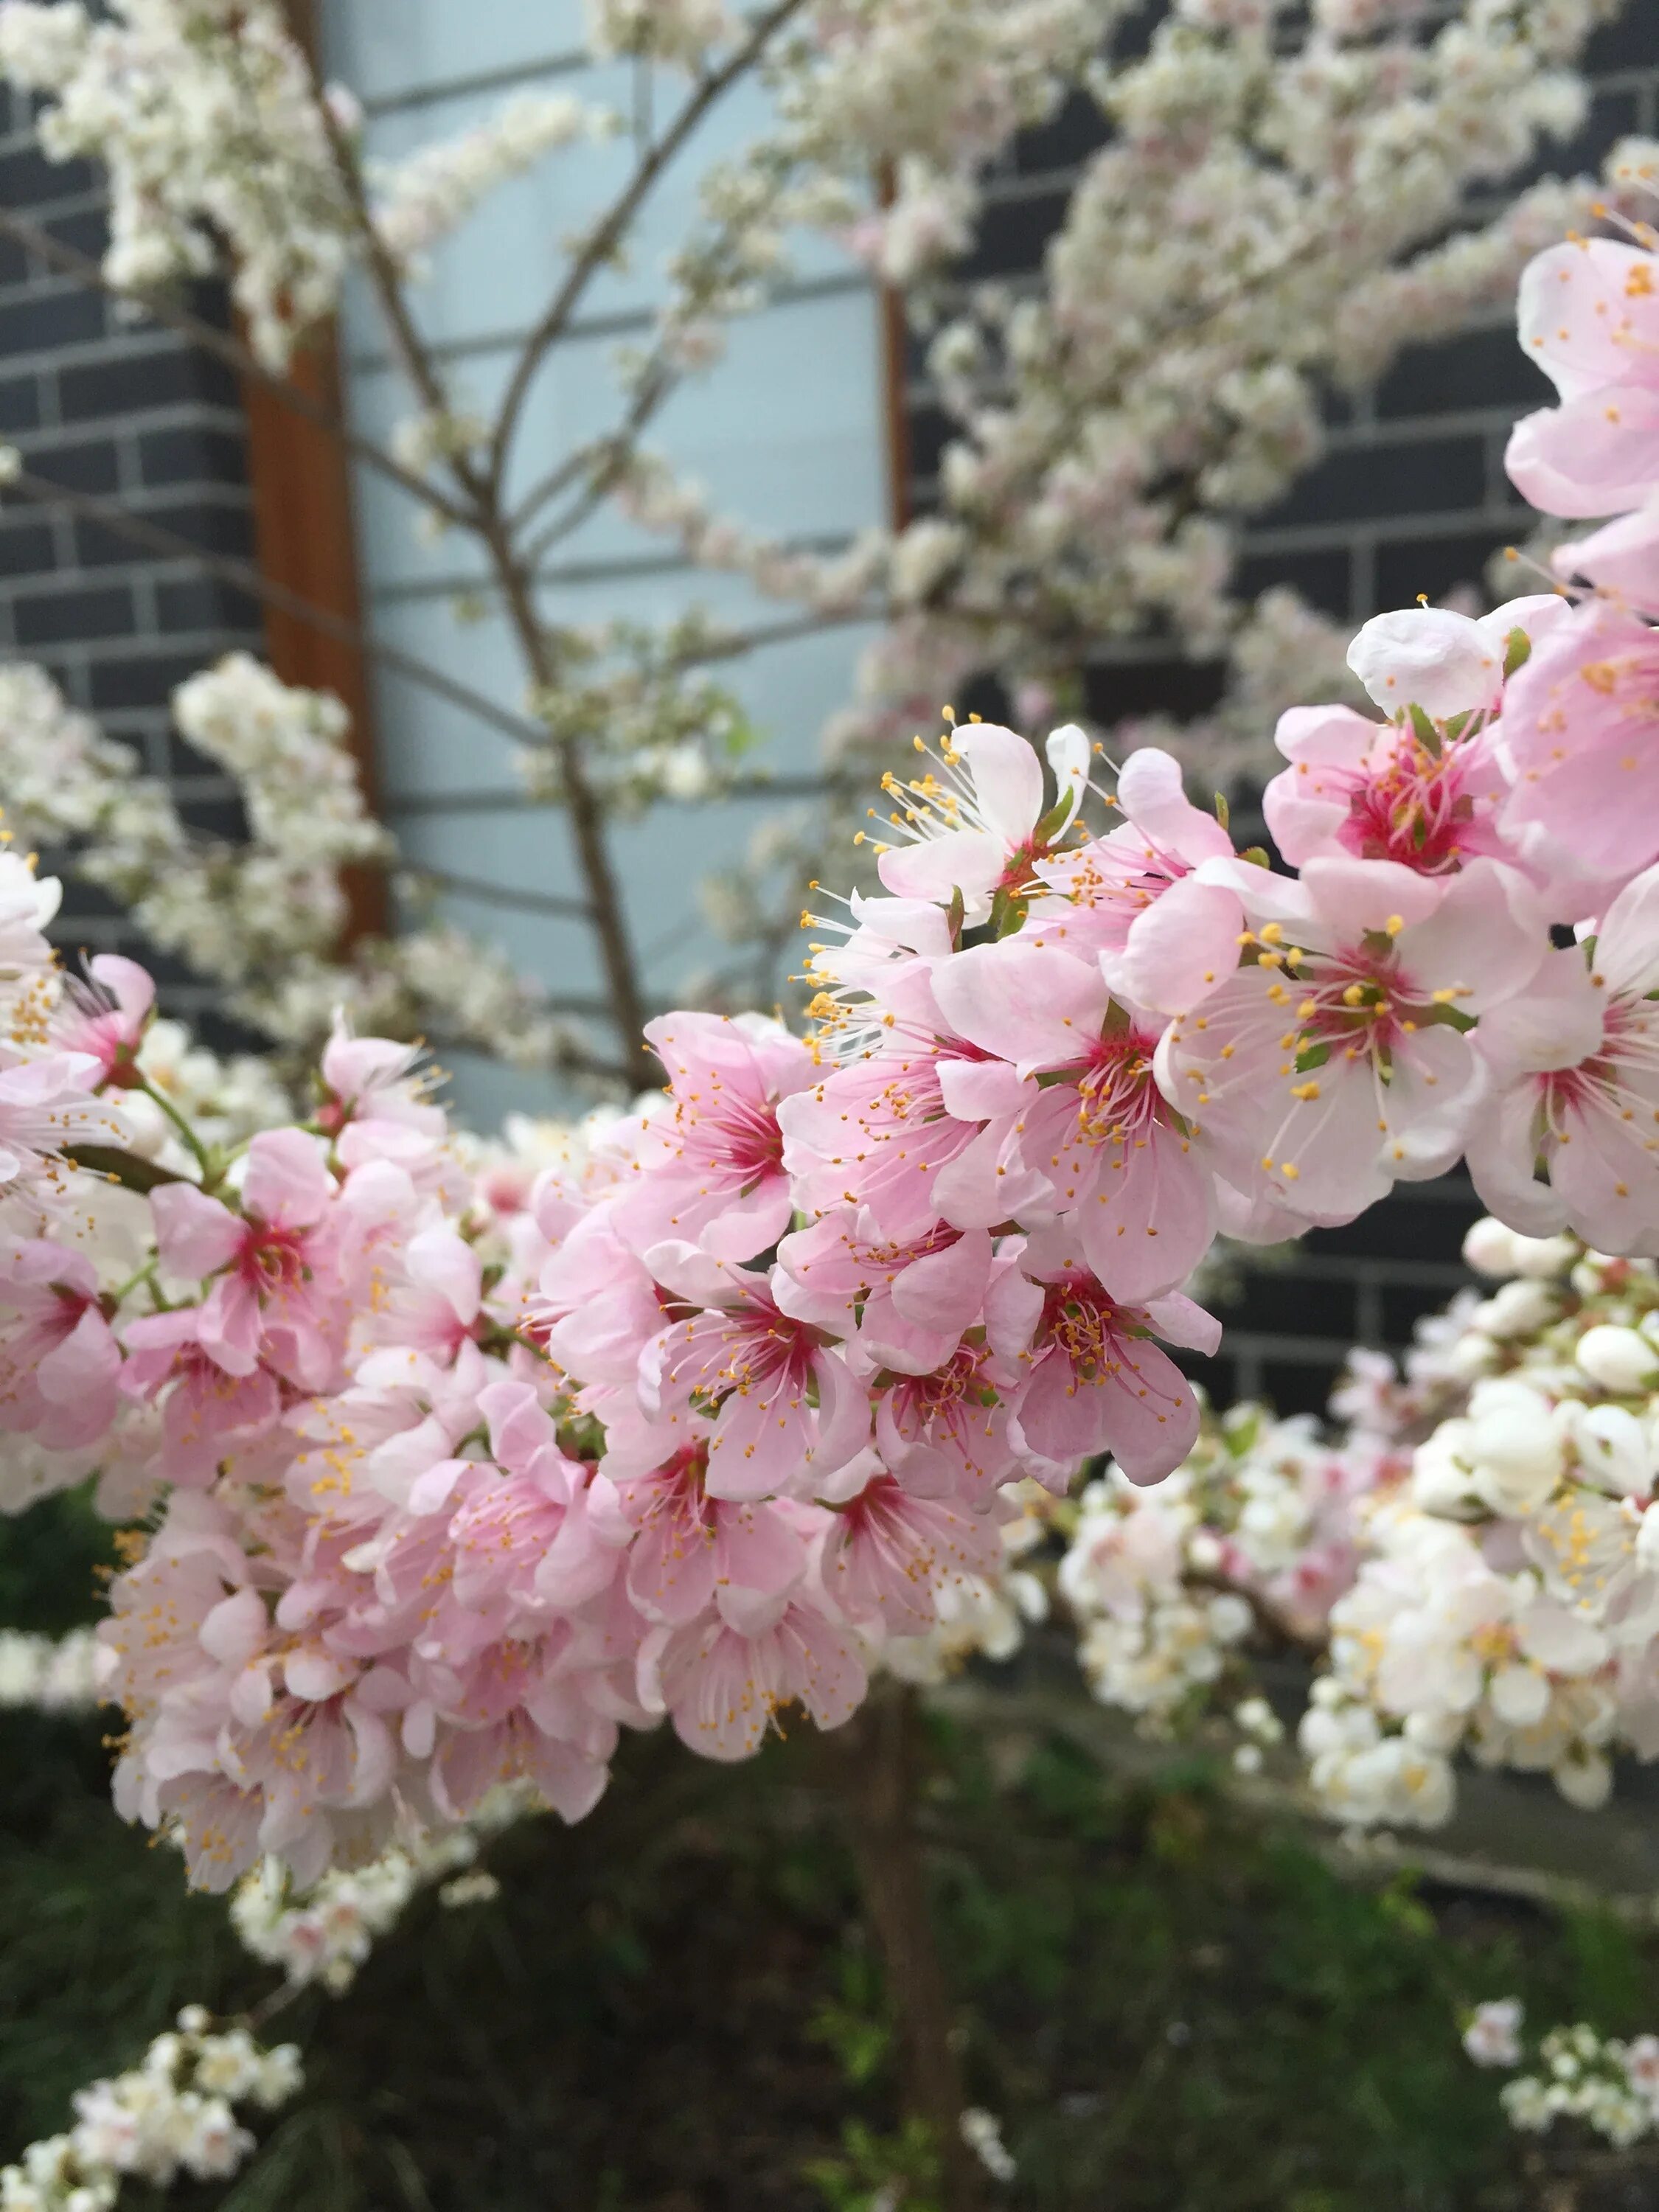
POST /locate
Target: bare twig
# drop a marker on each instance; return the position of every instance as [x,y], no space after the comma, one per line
[610,457]
[472,887]
[602,241]
[482,493]
[229,350]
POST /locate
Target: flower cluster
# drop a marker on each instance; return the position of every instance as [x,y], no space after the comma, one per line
[170,2114]
[1255,1535]
[1506,1604]
[326,1934]
[48,1674]
[261,915]
[203,115]
[1611,2086]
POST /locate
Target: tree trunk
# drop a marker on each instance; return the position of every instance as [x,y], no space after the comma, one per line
[877,1761]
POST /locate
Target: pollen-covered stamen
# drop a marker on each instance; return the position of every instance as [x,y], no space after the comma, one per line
[764,1355]
[273,1260]
[1116,1096]
[730,1133]
[1418,809]
[1613,1085]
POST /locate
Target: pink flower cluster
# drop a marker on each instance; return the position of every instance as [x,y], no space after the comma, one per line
[463,1475]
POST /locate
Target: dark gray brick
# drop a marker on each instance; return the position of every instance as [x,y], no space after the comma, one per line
[56,617]
[89,465]
[212,527]
[49,321]
[162,375]
[192,453]
[1429,475]
[202,603]
[19,404]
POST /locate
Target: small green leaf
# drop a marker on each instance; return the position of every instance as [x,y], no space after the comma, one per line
[1054,821]
[1312,1056]
[124,1168]
[1517,651]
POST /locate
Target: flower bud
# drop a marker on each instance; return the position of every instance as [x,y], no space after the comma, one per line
[1543,1258]
[1489,1248]
[1621,1359]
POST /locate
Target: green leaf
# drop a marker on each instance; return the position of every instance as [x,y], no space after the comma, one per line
[1312,1056]
[1517,651]
[1054,821]
[1428,735]
[124,1168]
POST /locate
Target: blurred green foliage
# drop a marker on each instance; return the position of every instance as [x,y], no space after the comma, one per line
[674,2007]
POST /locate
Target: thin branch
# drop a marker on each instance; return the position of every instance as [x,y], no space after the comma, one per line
[223,347]
[410,347]
[609,454]
[155,538]
[602,242]
[472,887]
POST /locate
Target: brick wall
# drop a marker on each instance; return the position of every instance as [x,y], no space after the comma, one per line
[1410,496]
[126,411]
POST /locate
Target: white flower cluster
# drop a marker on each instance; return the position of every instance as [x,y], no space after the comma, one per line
[48,1674]
[678,31]
[1280,205]
[325,1936]
[934,89]
[1508,1604]
[422,200]
[1166,1583]
[203,114]
[290,751]
[1611,2086]
[263,916]
[172,2113]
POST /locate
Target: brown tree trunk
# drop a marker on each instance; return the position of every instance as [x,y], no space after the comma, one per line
[877,1761]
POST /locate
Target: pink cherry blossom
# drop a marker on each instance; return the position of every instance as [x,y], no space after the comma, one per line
[722,1690]
[690,1551]
[1589,314]
[1106,1150]
[945,1434]
[1572,1139]
[208,1412]
[595,1308]
[1085,1376]
[110,1010]
[979,826]
[879,1131]
[59,1361]
[1581,724]
[786,1413]
[47,1106]
[274,1264]
[904,1306]
[1165,935]
[1335,1064]
[712,1170]
[884,1554]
